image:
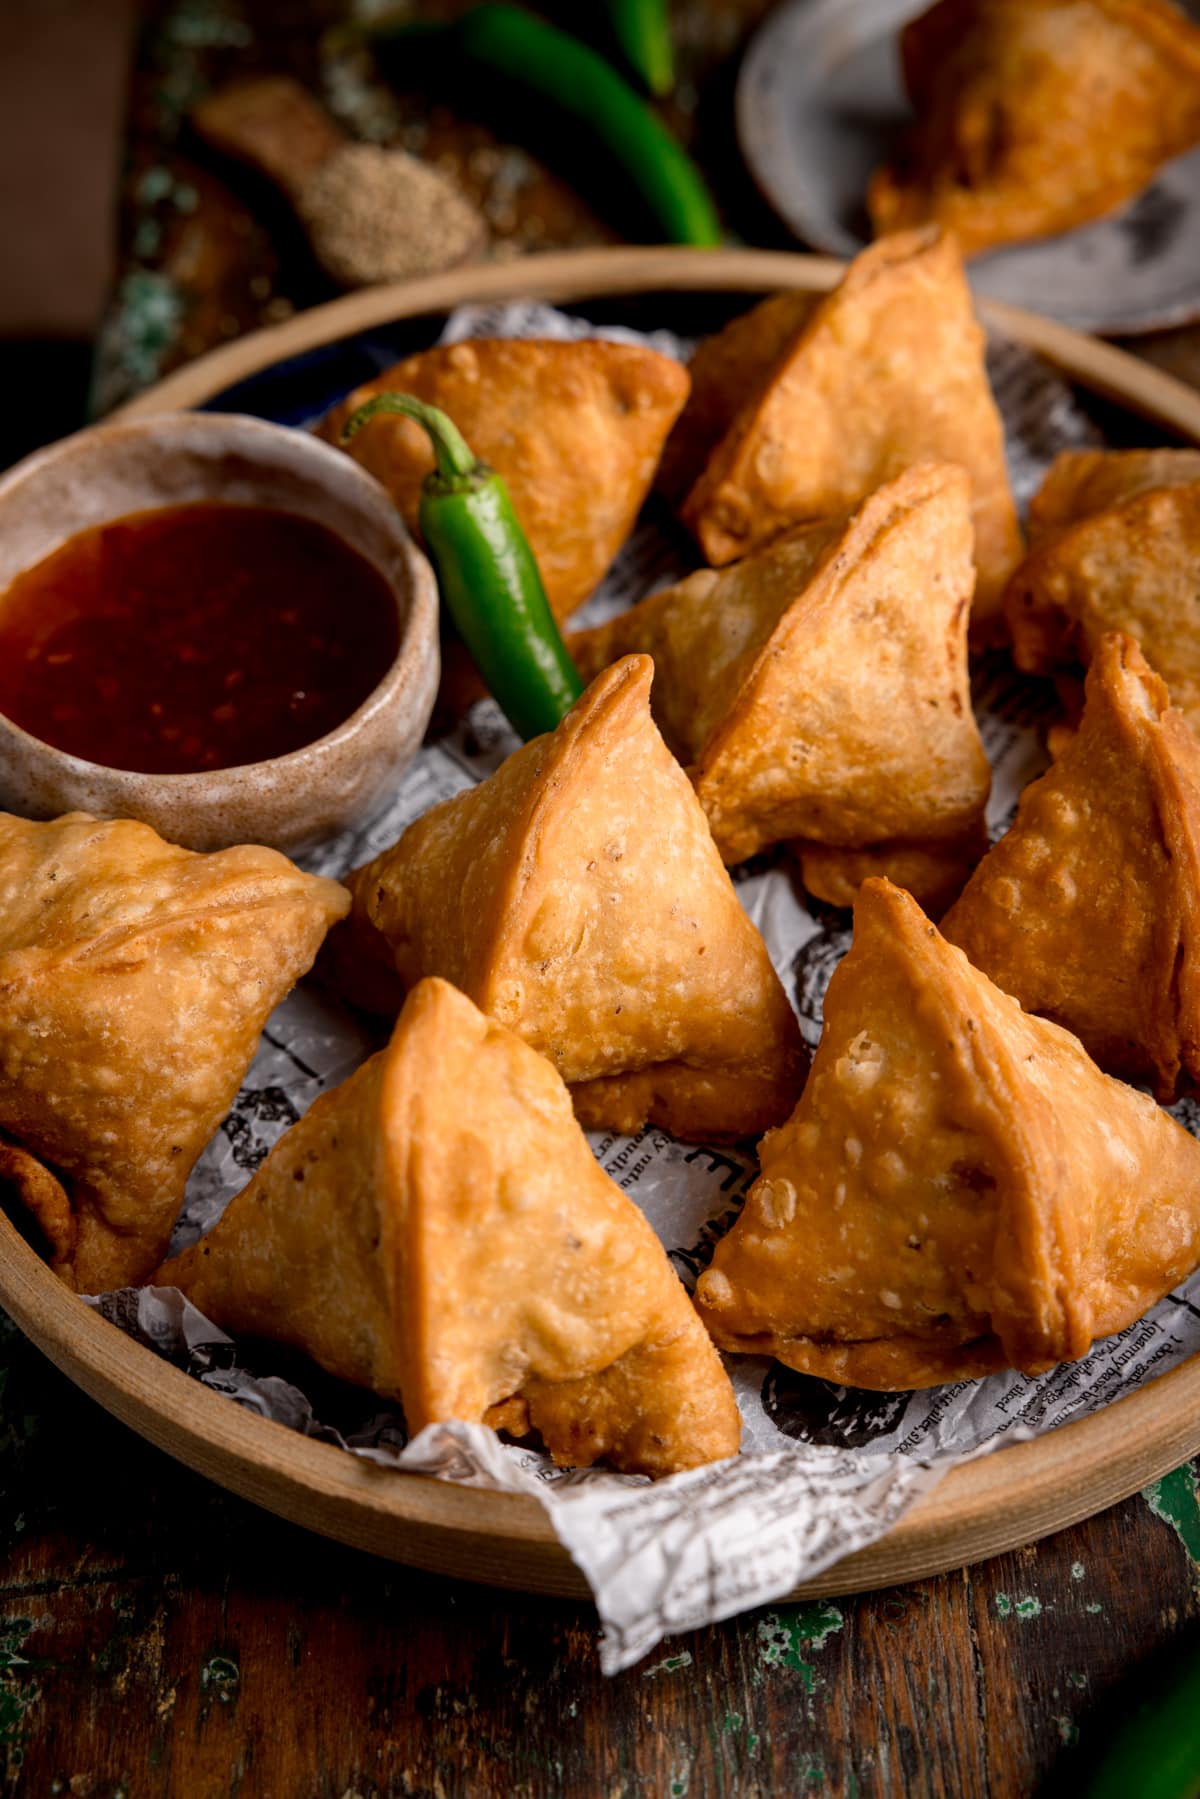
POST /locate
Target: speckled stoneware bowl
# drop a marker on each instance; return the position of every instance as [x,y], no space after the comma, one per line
[170,459]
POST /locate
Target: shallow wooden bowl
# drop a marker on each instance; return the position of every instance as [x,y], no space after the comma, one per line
[1013,1497]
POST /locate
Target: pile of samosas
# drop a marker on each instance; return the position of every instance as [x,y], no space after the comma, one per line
[957,1184]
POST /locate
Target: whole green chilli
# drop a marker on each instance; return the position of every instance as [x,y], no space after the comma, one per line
[487,573]
[644,39]
[505,46]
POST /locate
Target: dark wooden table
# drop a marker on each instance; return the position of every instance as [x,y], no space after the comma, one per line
[160,1638]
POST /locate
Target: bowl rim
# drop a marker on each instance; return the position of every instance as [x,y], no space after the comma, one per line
[979,1509]
[417,612]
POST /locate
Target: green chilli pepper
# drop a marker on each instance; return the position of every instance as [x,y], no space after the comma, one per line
[1153,1752]
[486,573]
[512,54]
[641,30]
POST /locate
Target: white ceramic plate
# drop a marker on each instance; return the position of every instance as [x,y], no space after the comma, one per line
[819,103]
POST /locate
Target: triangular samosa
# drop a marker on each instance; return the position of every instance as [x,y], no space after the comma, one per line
[135,980]
[1034,116]
[725,370]
[575,429]
[888,371]
[437,1229]
[1116,539]
[960,1189]
[1079,483]
[1088,910]
[818,689]
[577,897]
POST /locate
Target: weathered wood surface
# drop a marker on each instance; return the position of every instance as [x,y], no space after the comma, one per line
[159,1638]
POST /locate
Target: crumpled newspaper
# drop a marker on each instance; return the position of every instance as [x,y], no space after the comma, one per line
[824,1470]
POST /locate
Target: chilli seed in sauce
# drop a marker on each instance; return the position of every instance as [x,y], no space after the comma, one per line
[194,637]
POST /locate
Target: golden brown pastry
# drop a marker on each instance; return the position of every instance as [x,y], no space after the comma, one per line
[725,370]
[1088,910]
[960,1189]
[1116,547]
[579,899]
[1082,482]
[818,689]
[437,1229]
[576,430]
[887,372]
[934,873]
[135,979]
[1034,116]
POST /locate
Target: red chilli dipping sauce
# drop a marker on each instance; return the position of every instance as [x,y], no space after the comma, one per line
[194,637]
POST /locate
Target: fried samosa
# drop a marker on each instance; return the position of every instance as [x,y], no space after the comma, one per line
[725,370]
[577,897]
[1082,482]
[960,1189]
[1034,116]
[818,689]
[887,372]
[1088,910]
[576,430]
[437,1229]
[135,980]
[1116,548]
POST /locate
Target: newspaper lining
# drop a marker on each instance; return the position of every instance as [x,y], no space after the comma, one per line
[824,1470]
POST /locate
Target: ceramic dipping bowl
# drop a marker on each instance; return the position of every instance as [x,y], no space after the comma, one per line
[291,802]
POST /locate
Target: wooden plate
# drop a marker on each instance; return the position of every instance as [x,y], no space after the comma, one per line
[1015,1496]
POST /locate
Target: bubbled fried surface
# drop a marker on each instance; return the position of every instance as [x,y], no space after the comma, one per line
[1088,909]
[575,429]
[888,371]
[577,897]
[818,689]
[1116,548]
[135,979]
[1034,116]
[472,1260]
[959,1189]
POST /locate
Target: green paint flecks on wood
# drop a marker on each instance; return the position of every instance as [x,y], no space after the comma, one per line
[19,1692]
[733,1724]
[786,1635]
[1078,1571]
[670,1664]
[1068,1731]
[1024,1608]
[1175,1500]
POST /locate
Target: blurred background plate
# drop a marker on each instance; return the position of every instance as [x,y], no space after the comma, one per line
[819,103]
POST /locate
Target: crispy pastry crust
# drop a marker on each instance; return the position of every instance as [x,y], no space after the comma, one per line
[726,370]
[887,372]
[437,1229]
[1088,910]
[577,897]
[959,1188]
[818,689]
[1034,116]
[576,430]
[135,979]
[1116,547]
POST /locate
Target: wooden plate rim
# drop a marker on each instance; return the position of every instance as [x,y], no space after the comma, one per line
[978,1510]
